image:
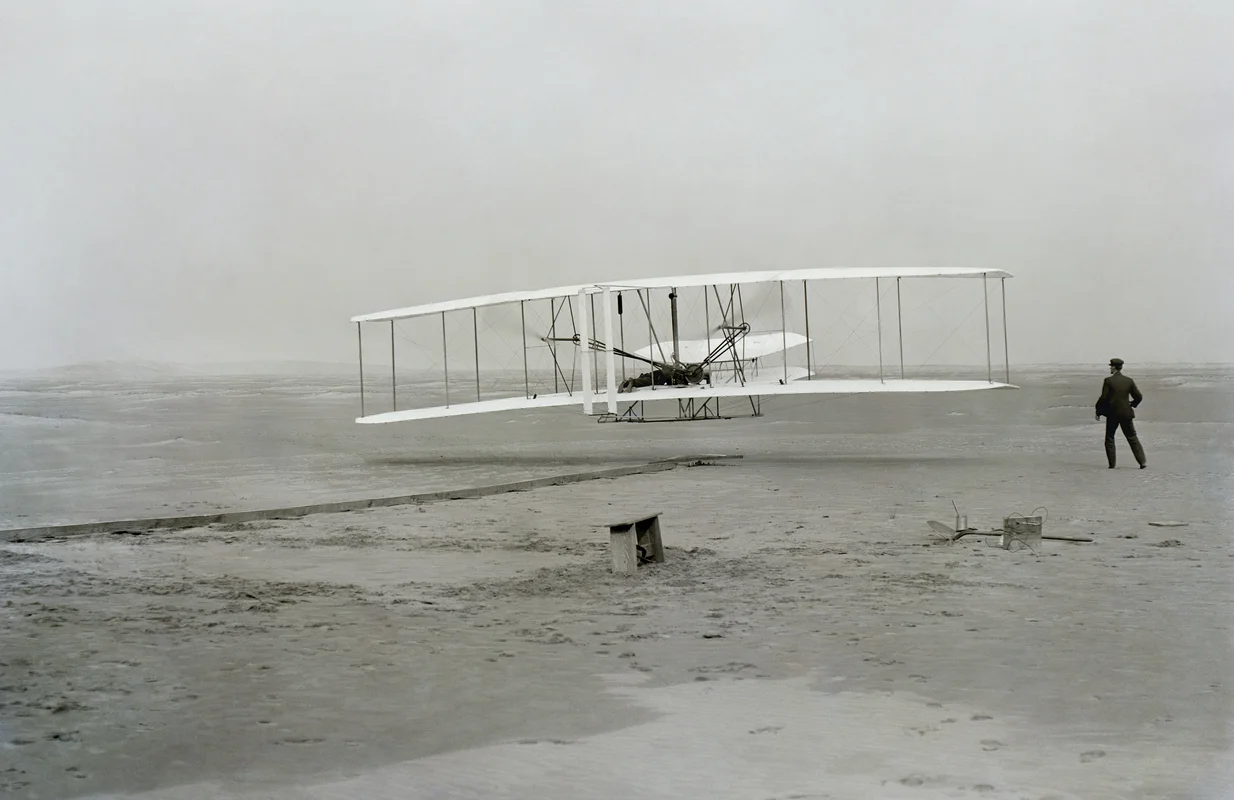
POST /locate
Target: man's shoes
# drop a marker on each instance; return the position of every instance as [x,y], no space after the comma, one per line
[1143,466]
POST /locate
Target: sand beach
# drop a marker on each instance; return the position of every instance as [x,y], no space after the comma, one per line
[808,635]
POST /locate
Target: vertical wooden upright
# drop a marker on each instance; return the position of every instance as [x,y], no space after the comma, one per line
[649,539]
[623,546]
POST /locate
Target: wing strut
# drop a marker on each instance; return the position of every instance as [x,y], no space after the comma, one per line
[621,322]
[900,328]
[445,358]
[360,341]
[1006,350]
[878,304]
[522,315]
[989,363]
[552,331]
[585,359]
[475,333]
[784,331]
[672,300]
[610,386]
[805,291]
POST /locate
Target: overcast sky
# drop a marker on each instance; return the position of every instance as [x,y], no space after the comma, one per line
[189,181]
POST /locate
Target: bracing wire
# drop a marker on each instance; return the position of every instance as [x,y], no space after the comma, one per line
[926,362]
[1023,545]
[1032,513]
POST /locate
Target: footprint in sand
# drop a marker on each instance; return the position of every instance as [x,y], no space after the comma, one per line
[1091,755]
[991,744]
[732,666]
[63,736]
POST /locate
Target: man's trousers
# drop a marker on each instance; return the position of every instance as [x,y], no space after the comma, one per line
[1111,426]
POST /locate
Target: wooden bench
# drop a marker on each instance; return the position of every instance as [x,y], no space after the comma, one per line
[635,541]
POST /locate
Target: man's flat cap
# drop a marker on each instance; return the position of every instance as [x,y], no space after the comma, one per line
[1116,362]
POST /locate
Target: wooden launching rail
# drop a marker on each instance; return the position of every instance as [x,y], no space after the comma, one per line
[138,526]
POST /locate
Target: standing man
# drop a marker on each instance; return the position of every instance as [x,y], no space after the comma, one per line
[1119,397]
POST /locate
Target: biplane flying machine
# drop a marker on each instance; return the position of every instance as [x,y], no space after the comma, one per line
[579,336]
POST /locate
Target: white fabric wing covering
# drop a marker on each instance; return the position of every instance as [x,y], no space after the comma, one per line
[683,281]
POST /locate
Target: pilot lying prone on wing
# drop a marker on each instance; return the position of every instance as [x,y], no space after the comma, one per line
[684,376]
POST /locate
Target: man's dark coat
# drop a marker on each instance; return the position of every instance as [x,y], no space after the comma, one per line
[1119,397]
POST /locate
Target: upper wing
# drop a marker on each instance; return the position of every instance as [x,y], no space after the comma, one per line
[682,281]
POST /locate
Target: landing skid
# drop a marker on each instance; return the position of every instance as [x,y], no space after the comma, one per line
[687,411]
